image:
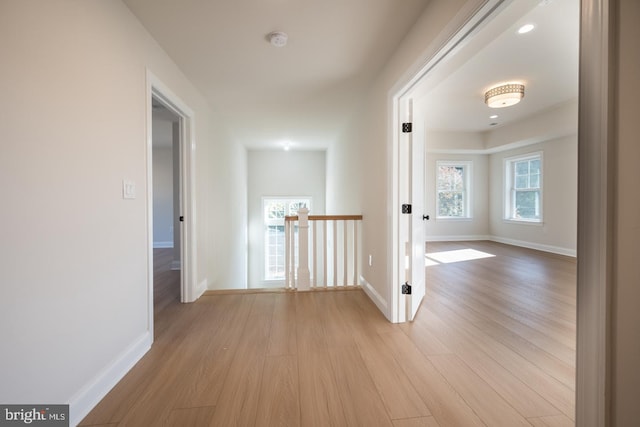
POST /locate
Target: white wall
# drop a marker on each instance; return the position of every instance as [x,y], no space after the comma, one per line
[558,230]
[369,133]
[73,263]
[280,173]
[163,197]
[476,227]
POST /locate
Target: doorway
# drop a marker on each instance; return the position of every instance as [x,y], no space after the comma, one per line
[594,175]
[180,230]
[167,251]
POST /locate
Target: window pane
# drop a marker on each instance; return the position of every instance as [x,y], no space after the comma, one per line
[534,181]
[522,168]
[451,203]
[522,182]
[526,204]
[275,210]
[450,178]
[534,166]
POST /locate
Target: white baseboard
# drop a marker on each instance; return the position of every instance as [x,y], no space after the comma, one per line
[457,238]
[537,246]
[514,242]
[377,299]
[91,394]
[176,264]
[202,287]
[162,245]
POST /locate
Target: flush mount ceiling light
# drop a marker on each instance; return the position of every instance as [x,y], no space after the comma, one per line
[278,38]
[504,95]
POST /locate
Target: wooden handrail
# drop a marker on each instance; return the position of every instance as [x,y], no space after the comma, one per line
[326,218]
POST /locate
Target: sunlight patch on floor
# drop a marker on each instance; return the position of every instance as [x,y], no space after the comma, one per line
[446,257]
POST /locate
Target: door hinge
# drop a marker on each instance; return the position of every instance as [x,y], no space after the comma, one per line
[406,289]
[181,218]
[406,209]
[406,127]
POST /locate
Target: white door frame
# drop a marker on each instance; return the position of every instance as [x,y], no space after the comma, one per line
[188,288]
[595,176]
[400,92]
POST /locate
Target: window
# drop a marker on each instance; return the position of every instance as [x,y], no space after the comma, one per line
[275,209]
[523,192]
[453,189]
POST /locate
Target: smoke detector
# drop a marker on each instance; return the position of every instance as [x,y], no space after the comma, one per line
[278,38]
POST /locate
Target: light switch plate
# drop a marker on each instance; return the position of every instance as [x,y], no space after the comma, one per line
[128,189]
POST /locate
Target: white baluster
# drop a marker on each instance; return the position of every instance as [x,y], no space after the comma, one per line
[304,276]
[287,255]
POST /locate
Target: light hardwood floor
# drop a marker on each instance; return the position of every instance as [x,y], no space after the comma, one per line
[492,345]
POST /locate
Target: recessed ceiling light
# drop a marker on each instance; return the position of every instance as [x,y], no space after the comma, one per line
[495,116]
[526,28]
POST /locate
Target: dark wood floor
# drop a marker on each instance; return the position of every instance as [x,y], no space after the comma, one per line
[492,345]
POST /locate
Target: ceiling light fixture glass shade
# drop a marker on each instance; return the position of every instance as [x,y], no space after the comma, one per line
[504,95]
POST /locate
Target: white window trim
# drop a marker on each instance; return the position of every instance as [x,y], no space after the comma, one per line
[508,199]
[468,196]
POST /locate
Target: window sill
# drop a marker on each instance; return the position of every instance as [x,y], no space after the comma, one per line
[524,222]
[453,218]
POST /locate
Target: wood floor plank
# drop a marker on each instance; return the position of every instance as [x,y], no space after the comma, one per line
[361,403]
[444,403]
[400,398]
[282,339]
[239,397]
[480,396]
[218,347]
[554,421]
[191,417]
[416,422]
[279,404]
[466,340]
[320,403]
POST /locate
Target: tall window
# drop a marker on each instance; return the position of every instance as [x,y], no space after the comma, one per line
[452,187]
[524,188]
[274,211]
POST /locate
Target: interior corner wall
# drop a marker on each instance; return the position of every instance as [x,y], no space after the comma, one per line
[279,174]
[558,231]
[370,132]
[74,297]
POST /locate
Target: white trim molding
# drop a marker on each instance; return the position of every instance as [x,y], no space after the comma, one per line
[458,238]
[377,299]
[595,219]
[92,393]
[537,246]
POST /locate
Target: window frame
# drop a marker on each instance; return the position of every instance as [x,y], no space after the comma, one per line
[267,222]
[510,189]
[467,166]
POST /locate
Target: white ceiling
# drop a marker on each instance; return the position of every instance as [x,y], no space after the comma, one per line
[305,92]
[545,60]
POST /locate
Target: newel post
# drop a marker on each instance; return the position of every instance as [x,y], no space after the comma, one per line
[304,276]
